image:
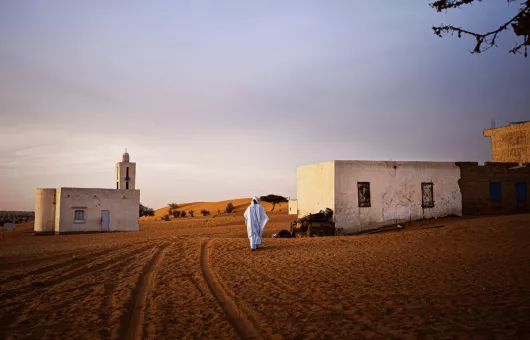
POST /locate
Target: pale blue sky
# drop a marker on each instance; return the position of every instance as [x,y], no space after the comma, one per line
[224,99]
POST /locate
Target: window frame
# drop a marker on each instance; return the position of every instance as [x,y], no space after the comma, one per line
[523,184]
[492,184]
[361,199]
[83,215]
[424,204]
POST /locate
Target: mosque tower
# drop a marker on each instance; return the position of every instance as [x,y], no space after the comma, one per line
[125,173]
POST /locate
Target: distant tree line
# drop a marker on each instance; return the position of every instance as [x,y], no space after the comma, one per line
[16,217]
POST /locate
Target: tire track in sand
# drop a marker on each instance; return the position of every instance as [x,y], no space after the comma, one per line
[243,326]
[132,321]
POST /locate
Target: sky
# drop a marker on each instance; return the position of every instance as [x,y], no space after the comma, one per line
[224,99]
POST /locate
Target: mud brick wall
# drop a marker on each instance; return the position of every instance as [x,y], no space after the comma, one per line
[475,188]
[510,143]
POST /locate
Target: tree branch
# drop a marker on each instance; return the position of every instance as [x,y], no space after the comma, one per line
[520,24]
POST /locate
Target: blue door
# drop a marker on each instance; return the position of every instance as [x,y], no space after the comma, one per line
[521,191]
[495,192]
[105,220]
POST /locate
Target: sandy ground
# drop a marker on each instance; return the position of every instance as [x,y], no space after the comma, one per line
[196,278]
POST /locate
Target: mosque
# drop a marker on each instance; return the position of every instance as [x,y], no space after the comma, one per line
[81,210]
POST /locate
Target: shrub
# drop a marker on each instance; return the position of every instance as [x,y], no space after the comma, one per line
[229,208]
[145,211]
[205,212]
[166,217]
[176,213]
[191,212]
[173,205]
[182,213]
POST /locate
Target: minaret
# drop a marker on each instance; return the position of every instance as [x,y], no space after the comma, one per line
[125,173]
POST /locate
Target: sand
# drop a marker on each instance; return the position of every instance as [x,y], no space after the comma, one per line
[196,278]
[215,208]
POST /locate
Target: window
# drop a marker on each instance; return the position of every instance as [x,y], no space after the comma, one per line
[363,189]
[127,174]
[495,191]
[127,185]
[520,187]
[427,195]
[79,215]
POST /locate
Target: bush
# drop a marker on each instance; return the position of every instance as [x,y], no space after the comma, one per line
[145,211]
[229,208]
[191,212]
[205,212]
[173,205]
[182,213]
[176,213]
[166,217]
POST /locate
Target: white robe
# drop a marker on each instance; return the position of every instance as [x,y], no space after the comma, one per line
[255,219]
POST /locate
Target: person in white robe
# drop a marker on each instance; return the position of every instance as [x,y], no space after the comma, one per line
[255,220]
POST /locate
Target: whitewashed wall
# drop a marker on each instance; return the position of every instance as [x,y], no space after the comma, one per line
[395,192]
[44,211]
[293,207]
[315,188]
[123,206]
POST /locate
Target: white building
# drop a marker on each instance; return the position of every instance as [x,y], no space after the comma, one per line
[368,194]
[73,210]
[293,207]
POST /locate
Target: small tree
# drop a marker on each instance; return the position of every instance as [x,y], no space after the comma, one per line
[191,212]
[173,205]
[176,213]
[229,208]
[274,199]
[145,211]
[205,212]
[218,212]
[182,213]
[166,217]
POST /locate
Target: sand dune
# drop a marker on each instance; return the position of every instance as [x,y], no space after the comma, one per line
[240,204]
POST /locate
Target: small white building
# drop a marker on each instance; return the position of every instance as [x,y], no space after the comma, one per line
[74,210]
[368,194]
[293,207]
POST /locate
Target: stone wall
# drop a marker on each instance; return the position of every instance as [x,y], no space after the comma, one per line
[475,187]
[510,143]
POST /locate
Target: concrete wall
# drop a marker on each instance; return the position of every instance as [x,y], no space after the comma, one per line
[510,143]
[315,188]
[395,192]
[475,186]
[123,206]
[293,207]
[44,211]
[121,174]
